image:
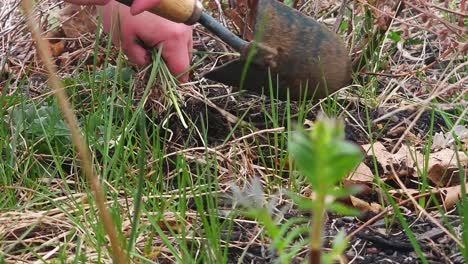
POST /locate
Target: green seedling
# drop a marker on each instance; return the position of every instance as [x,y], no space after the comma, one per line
[323,158]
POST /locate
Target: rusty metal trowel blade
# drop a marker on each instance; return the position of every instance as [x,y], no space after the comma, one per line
[309,57]
[231,72]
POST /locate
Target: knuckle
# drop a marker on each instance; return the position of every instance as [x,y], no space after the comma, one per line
[181,33]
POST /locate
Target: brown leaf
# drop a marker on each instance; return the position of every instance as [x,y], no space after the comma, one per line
[443,167]
[453,195]
[56,42]
[365,189]
[172,224]
[407,158]
[77,20]
[57,48]
[362,174]
[404,161]
[364,206]
[381,154]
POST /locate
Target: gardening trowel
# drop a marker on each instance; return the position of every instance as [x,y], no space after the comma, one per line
[290,52]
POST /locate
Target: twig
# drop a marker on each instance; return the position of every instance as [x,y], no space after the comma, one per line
[461,14]
[395,17]
[340,16]
[387,210]
[384,242]
[412,72]
[454,29]
[461,19]
[436,92]
[424,212]
[80,145]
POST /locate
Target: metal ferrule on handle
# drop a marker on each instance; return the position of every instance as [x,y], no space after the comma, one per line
[224,34]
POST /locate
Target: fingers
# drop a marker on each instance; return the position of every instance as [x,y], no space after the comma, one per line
[152,31]
[124,34]
[139,6]
[88,2]
[135,52]
[177,57]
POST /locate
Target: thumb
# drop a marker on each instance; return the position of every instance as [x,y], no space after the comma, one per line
[139,6]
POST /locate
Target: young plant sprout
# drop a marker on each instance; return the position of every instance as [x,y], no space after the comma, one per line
[323,157]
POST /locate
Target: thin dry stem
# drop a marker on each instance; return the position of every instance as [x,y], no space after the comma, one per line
[81,146]
[423,211]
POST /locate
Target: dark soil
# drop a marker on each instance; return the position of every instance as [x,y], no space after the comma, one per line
[379,243]
[387,242]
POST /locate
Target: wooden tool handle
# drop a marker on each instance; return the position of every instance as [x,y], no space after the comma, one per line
[179,11]
[190,12]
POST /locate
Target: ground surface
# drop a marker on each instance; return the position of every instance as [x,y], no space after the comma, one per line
[408,96]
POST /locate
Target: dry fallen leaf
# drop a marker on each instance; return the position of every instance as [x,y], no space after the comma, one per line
[380,153]
[407,161]
[438,141]
[365,189]
[57,48]
[444,169]
[362,174]
[364,206]
[401,161]
[77,20]
[441,141]
[56,42]
[452,195]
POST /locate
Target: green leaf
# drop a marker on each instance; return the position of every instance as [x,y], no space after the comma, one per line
[346,157]
[412,41]
[289,2]
[305,156]
[345,192]
[302,202]
[395,36]
[342,209]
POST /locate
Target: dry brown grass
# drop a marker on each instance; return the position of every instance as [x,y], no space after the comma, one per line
[401,86]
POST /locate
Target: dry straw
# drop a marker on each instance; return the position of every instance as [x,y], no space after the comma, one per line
[81,147]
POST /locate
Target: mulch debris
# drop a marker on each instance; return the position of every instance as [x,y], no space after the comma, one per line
[398,111]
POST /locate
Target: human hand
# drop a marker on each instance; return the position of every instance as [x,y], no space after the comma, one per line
[152,31]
